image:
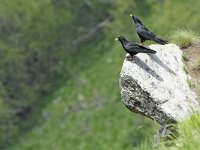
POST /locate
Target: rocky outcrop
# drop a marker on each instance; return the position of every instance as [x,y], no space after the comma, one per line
[156,85]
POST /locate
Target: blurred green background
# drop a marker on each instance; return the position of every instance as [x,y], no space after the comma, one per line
[60,67]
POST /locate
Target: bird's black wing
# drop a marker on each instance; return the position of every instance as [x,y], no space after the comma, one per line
[138,48]
[143,31]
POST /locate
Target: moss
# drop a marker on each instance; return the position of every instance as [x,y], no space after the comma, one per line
[198,64]
[185,56]
[186,69]
[191,83]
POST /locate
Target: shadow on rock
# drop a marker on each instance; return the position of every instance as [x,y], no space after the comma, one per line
[146,68]
[159,62]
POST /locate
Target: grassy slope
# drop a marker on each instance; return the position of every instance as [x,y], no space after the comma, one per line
[87,117]
[188,139]
[189,135]
[86,112]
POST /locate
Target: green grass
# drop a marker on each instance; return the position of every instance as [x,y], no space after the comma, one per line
[185,56]
[188,138]
[183,38]
[186,69]
[189,134]
[191,83]
[89,114]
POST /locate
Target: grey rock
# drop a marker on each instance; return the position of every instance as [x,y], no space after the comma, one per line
[156,85]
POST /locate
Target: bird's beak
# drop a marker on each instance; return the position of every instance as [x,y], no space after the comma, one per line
[116,39]
[131,15]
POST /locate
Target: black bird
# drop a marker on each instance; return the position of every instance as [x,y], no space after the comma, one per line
[132,48]
[145,34]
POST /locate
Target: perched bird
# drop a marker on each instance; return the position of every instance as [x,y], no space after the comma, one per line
[144,33]
[132,48]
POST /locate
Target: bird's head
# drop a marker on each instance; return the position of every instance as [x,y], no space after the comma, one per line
[136,20]
[120,38]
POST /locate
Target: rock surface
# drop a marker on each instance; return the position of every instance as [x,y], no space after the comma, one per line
[156,85]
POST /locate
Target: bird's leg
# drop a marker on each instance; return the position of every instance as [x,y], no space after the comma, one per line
[142,42]
[129,57]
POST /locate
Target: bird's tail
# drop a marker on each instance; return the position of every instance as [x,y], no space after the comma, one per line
[160,41]
[147,50]
[150,51]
